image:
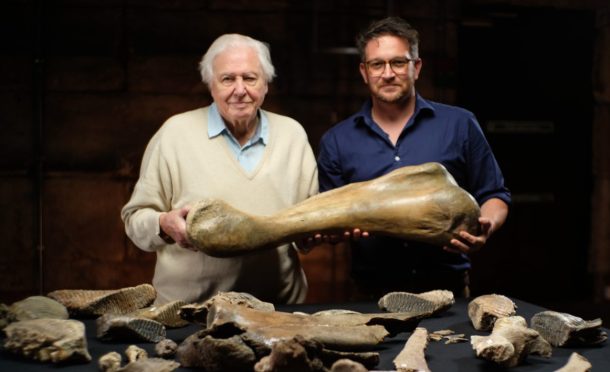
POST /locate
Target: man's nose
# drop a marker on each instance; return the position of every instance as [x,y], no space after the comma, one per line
[240,87]
[387,71]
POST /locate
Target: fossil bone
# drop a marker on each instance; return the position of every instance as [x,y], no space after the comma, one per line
[138,362]
[216,354]
[348,331]
[576,363]
[166,348]
[197,313]
[82,302]
[561,329]
[295,354]
[347,365]
[110,362]
[150,365]
[434,302]
[422,203]
[484,310]
[34,307]
[510,342]
[48,340]
[135,353]
[412,357]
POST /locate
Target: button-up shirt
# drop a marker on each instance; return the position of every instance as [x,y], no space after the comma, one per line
[252,151]
[357,149]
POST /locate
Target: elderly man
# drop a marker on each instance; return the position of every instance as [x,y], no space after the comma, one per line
[255,160]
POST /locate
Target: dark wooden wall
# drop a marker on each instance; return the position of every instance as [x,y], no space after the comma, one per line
[84,84]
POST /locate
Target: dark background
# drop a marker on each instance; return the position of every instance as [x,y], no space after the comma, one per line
[84,84]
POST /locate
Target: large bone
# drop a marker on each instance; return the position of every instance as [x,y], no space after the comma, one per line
[346,331]
[422,203]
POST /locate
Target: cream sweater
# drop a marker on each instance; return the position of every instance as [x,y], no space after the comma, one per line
[181,165]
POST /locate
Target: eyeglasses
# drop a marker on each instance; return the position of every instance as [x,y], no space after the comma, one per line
[400,66]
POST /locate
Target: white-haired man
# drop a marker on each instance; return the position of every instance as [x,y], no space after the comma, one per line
[255,160]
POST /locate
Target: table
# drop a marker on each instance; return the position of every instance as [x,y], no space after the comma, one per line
[441,357]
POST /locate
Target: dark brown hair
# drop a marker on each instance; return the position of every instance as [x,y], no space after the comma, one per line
[394,26]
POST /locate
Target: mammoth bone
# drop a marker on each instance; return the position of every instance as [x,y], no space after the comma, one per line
[422,203]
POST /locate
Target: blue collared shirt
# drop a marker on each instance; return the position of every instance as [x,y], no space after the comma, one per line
[248,155]
[357,149]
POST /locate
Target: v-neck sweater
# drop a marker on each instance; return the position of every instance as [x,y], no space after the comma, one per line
[182,165]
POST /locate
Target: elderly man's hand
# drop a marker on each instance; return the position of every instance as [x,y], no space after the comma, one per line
[173,223]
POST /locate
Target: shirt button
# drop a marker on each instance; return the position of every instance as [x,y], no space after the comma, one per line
[397,158]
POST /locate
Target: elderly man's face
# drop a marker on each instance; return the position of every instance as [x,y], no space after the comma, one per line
[238,85]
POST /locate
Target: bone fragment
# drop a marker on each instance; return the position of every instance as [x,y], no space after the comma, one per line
[34,307]
[576,363]
[197,313]
[48,340]
[110,362]
[291,355]
[166,348]
[368,359]
[421,203]
[434,302]
[82,302]
[484,310]
[135,353]
[216,354]
[347,365]
[455,339]
[561,329]
[412,357]
[140,362]
[510,342]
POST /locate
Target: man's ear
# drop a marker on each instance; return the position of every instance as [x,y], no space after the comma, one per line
[417,67]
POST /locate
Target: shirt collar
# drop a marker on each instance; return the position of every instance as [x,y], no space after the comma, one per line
[217,126]
[366,114]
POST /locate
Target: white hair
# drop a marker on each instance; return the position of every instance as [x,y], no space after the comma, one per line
[230,41]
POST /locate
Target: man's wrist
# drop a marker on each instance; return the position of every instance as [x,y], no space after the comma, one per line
[166,238]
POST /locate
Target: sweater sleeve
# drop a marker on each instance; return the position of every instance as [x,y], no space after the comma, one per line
[150,197]
[310,171]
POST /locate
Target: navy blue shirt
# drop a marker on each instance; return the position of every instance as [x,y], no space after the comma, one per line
[357,149]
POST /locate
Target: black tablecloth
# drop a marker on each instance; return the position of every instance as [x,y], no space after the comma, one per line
[441,357]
